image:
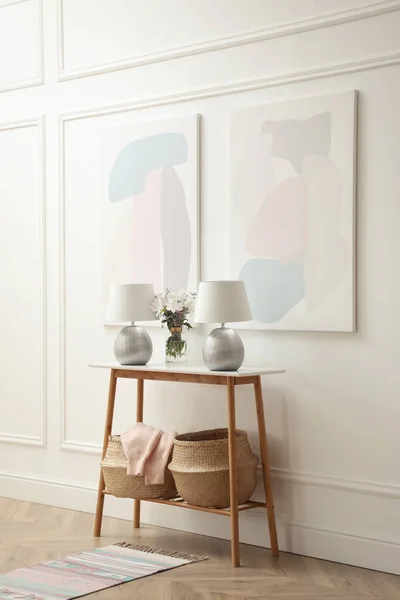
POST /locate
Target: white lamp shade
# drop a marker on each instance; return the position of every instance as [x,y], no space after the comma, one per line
[222,302]
[130,302]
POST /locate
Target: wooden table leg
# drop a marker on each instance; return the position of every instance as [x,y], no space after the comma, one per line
[262,434]
[233,473]
[139,419]
[107,433]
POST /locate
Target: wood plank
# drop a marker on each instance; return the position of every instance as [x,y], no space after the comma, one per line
[107,432]
[180,503]
[250,504]
[245,380]
[174,377]
[233,484]
[139,419]
[262,436]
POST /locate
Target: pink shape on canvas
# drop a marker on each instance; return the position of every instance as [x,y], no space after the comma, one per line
[135,254]
[279,229]
[146,231]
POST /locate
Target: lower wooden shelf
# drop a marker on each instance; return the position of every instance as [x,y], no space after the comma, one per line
[180,503]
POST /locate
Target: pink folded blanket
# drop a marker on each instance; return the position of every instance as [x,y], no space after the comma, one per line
[147,450]
[154,471]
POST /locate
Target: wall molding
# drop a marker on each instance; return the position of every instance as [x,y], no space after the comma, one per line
[39,77]
[357,486]
[52,482]
[280,30]
[4,3]
[72,446]
[40,440]
[23,440]
[247,85]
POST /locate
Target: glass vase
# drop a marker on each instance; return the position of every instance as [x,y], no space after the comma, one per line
[176,347]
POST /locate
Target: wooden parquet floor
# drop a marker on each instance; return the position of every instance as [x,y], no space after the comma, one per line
[32,533]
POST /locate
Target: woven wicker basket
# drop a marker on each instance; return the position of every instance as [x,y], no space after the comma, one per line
[119,484]
[200,466]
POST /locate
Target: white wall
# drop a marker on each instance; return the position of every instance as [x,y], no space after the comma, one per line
[333,418]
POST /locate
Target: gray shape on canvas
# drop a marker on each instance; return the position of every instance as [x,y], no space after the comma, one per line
[175,231]
[294,139]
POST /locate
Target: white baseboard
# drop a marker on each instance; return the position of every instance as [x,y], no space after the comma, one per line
[295,537]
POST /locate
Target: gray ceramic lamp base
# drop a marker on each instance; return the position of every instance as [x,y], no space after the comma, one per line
[133,346]
[223,350]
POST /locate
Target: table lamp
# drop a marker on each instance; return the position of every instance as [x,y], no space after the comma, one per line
[132,302]
[223,302]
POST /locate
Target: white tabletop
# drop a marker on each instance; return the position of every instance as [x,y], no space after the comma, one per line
[189,369]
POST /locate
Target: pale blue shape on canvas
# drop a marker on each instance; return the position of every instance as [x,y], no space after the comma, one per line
[140,157]
[273,287]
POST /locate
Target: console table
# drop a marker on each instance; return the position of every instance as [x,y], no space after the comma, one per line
[200,375]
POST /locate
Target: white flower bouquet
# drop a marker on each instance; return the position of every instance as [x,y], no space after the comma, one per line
[173,310]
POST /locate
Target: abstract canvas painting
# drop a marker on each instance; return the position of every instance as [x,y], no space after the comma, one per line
[293,211]
[150,204]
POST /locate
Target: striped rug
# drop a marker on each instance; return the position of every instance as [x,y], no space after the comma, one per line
[87,572]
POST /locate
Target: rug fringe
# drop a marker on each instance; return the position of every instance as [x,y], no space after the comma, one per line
[162,552]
